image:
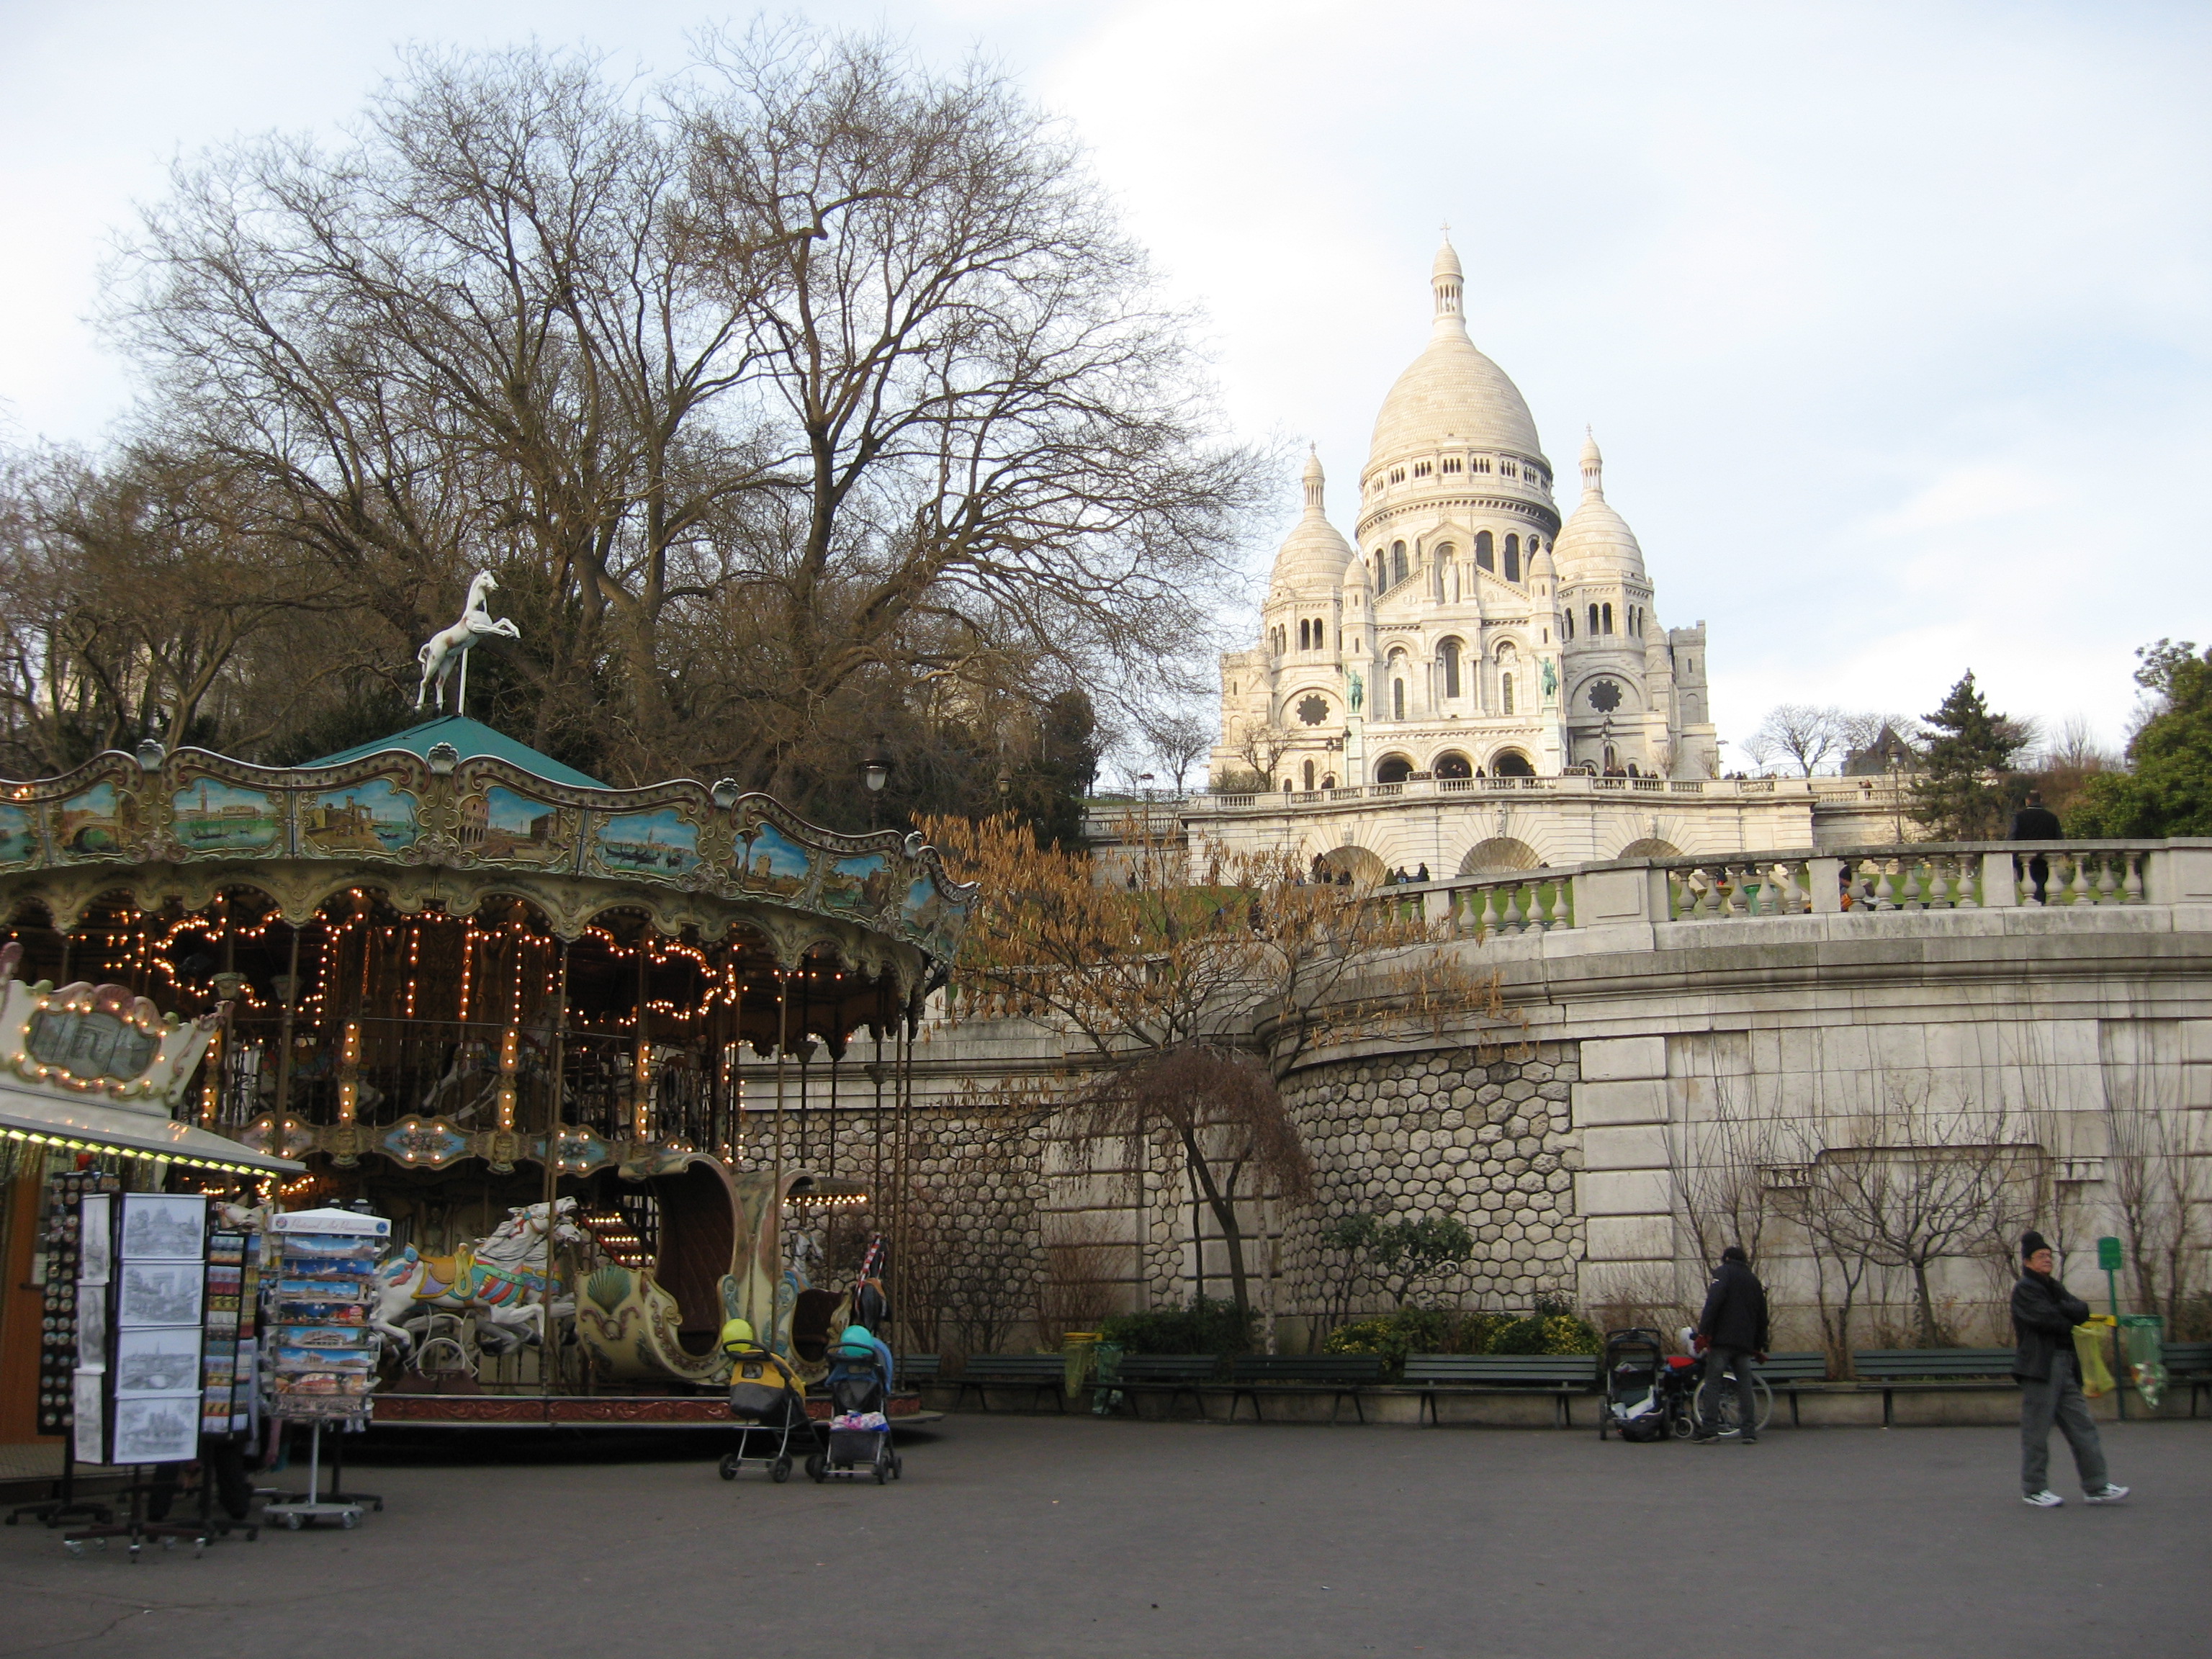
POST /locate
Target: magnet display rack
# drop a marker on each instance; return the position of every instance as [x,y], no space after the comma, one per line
[319,1354]
[54,1268]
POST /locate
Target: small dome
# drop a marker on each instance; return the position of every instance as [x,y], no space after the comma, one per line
[1447,264]
[1596,541]
[1313,555]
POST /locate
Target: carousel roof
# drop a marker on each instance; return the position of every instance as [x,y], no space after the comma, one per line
[473,740]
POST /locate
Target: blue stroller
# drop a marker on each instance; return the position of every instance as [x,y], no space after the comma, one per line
[860,1434]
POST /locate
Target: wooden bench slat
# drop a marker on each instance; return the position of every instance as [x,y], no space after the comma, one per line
[1035,1371]
[1340,1376]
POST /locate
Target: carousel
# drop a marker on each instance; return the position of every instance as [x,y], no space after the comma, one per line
[453,982]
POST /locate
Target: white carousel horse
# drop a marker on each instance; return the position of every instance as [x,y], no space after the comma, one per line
[501,1278]
[449,650]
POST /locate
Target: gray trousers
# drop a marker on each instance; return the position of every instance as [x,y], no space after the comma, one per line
[1738,1360]
[2059,1398]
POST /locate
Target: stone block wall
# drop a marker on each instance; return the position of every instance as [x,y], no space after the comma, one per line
[1449,1132]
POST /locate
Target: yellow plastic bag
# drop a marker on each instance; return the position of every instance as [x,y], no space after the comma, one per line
[2090,1341]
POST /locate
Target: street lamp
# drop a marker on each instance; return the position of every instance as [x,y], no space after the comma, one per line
[1896,801]
[875,773]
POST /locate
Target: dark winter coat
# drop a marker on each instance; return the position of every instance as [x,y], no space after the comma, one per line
[1735,1310]
[2036,824]
[2043,1316]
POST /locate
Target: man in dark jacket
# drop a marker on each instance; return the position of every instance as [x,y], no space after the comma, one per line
[1734,1325]
[2036,822]
[2043,1316]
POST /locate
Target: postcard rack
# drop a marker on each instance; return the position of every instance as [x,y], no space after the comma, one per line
[319,1354]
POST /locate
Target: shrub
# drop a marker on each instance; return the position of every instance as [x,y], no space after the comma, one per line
[1418,1330]
[1205,1327]
[1548,1332]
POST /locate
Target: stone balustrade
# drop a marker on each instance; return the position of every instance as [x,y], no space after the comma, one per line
[1568,785]
[1869,882]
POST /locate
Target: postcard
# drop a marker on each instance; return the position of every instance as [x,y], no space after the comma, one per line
[95,1244]
[90,1406]
[158,1293]
[161,1429]
[164,1227]
[91,1327]
[149,1362]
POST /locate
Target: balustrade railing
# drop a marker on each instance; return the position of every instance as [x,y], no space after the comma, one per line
[1867,883]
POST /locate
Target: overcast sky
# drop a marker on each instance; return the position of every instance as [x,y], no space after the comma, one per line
[1893,321]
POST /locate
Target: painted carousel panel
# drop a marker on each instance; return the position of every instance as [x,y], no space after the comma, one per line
[373,818]
[502,826]
[864,885]
[663,842]
[209,815]
[19,836]
[770,862]
[89,824]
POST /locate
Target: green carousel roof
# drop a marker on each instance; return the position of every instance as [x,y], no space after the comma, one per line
[473,738]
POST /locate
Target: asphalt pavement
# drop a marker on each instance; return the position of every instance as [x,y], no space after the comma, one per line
[1016,1536]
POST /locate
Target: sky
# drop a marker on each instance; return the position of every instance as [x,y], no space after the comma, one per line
[1893,321]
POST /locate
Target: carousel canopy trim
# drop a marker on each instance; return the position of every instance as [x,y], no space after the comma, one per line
[472,740]
[80,1126]
[434,828]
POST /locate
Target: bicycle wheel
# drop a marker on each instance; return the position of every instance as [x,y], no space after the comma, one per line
[1730,1406]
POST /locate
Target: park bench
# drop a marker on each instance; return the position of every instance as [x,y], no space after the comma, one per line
[1034,1372]
[1341,1376]
[1562,1376]
[1170,1374]
[2189,1363]
[918,1370]
[1891,1369]
[1788,1373]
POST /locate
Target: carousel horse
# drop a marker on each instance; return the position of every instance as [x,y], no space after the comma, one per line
[501,1278]
[448,649]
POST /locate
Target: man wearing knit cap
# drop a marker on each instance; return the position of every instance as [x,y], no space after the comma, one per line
[2043,1316]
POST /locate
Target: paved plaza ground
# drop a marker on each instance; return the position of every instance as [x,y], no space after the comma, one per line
[1044,1536]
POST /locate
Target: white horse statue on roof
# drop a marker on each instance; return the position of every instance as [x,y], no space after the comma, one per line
[450,650]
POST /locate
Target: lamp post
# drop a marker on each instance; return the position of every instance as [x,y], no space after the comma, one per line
[875,773]
[1896,801]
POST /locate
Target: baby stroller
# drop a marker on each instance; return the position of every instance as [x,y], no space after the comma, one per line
[1638,1399]
[768,1401]
[859,1436]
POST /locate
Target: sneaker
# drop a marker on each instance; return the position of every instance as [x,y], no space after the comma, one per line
[1751,1440]
[1704,1438]
[2107,1493]
[2045,1500]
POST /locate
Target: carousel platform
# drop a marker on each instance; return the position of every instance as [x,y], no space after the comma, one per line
[605,1411]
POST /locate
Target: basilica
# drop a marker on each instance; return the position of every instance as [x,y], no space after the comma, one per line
[1465,631]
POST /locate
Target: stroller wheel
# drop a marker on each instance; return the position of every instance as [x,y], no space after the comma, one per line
[781,1472]
[1600,1424]
[729,1469]
[817,1469]
[898,1469]
[883,1470]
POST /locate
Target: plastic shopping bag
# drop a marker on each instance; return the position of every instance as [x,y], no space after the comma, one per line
[2140,1336]
[2089,1344]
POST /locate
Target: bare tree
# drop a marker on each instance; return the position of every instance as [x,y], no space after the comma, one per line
[1261,747]
[1721,1165]
[1809,734]
[2157,1177]
[1911,1187]
[1177,739]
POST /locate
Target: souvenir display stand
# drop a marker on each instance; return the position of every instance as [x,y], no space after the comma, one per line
[54,1272]
[319,1356]
[141,1303]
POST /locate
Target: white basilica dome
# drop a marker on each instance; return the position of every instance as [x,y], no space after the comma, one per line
[1451,396]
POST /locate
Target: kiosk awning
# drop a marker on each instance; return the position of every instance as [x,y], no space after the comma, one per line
[85,1126]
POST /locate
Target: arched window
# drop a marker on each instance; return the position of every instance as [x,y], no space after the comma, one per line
[1484,550]
[1328,780]
[1593,622]
[1382,571]
[1397,700]
[1534,547]
[1567,617]
[1512,558]
[1289,785]
[1310,777]
[1394,769]
[1447,653]
[1452,766]
[1608,618]
[1505,694]
[1304,629]
[1321,633]
[1397,563]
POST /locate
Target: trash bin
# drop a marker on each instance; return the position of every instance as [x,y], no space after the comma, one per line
[2142,1350]
[1076,1349]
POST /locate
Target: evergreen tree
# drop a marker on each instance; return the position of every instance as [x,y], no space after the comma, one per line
[1954,798]
[2168,790]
